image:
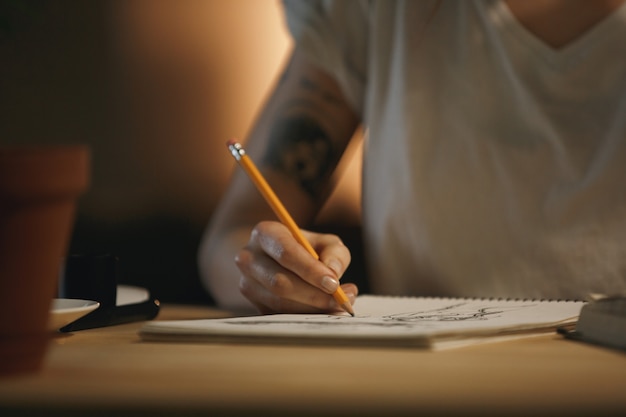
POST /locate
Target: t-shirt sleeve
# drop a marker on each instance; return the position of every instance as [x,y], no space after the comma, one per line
[333,34]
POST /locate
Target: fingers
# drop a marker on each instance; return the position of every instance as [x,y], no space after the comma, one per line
[275,240]
[268,302]
[279,275]
[272,288]
[332,252]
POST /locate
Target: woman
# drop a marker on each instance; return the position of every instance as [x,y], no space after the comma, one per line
[494,161]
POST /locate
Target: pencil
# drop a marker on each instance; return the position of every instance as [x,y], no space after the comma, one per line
[281,212]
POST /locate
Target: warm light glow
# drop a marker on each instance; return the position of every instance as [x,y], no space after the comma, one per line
[193,74]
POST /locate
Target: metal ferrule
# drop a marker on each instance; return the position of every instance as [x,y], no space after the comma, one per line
[237,150]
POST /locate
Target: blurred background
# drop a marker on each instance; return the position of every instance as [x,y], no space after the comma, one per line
[155,87]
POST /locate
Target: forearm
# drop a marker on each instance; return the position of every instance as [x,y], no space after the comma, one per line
[218,271]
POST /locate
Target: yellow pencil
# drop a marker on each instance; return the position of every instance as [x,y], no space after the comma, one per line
[281,212]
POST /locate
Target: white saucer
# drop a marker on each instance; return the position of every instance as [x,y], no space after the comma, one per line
[65,310]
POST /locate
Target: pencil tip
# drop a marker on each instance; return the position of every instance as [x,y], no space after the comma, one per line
[348,308]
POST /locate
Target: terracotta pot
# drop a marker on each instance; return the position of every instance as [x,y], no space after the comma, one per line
[39,188]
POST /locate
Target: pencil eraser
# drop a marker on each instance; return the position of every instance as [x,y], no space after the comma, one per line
[231,142]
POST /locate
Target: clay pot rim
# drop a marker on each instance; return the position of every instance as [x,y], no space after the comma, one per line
[34,171]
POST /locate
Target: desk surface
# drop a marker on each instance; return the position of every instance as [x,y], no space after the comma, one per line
[109,370]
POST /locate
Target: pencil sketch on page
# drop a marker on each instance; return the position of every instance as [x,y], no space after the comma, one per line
[456,312]
[384,321]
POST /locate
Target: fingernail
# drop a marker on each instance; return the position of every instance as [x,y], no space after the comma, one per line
[335,266]
[329,284]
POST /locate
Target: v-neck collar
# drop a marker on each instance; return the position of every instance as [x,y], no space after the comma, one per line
[572,51]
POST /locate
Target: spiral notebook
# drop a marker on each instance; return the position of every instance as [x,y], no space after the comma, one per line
[420,322]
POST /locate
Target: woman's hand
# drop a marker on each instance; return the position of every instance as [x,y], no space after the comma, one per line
[278,275]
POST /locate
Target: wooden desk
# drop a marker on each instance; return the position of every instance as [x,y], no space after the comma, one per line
[110,371]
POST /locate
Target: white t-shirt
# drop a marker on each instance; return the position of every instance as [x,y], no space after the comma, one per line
[494,165]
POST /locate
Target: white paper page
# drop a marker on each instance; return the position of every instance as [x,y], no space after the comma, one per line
[390,317]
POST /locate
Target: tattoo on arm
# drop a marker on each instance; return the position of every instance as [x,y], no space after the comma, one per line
[300,148]
[300,142]
[311,86]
